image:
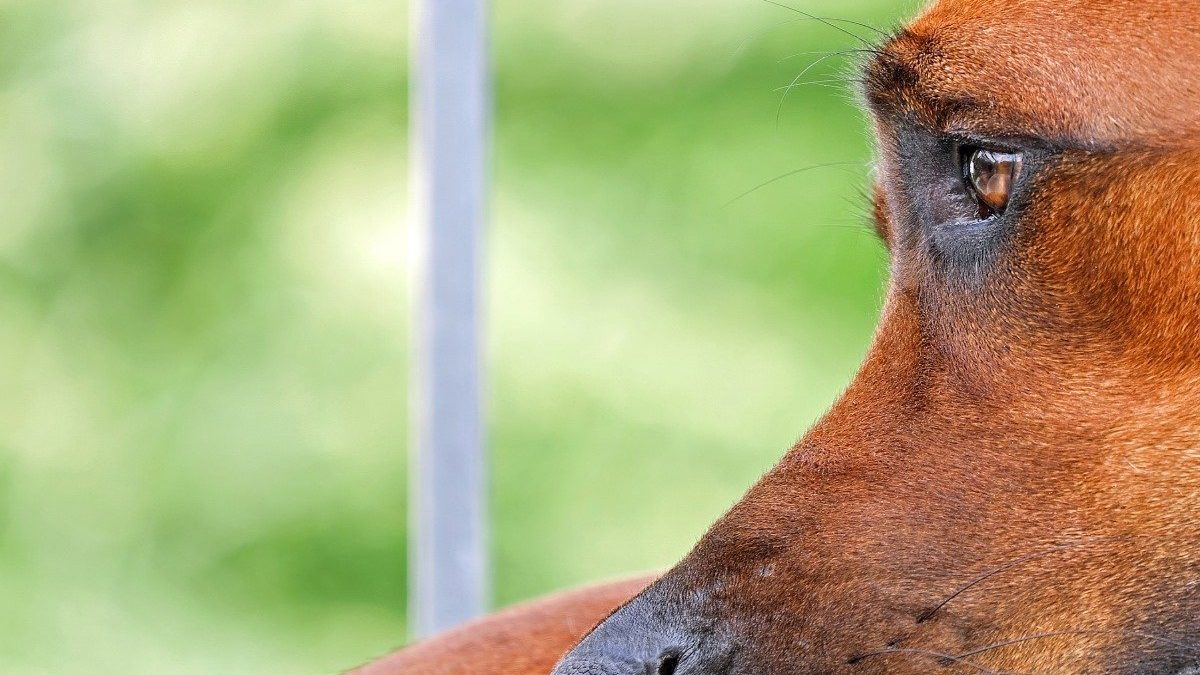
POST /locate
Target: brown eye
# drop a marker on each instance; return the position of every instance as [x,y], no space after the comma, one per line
[991,175]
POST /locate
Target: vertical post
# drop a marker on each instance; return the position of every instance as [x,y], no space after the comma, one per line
[450,114]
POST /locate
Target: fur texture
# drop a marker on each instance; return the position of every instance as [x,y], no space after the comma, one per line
[522,640]
[1012,481]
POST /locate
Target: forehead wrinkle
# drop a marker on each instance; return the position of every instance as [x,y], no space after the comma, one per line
[1067,71]
[911,79]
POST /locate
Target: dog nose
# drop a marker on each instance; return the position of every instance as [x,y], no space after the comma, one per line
[593,664]
[647,637]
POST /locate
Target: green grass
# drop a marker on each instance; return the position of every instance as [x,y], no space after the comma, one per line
[203,285]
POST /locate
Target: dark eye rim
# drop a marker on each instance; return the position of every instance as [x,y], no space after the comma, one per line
[964,245]
[931,214]
[932,210]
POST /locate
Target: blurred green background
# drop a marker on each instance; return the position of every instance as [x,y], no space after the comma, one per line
[203,297]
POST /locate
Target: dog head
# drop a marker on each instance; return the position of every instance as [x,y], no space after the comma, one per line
[1012,481]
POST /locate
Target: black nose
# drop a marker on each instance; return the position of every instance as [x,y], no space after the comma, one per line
[650,636]
[593,664]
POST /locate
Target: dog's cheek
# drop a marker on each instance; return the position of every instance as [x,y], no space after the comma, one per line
[1092,251]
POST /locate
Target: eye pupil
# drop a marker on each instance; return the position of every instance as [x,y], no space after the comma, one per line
[991,175]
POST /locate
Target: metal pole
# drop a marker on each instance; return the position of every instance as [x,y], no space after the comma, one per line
[450,114]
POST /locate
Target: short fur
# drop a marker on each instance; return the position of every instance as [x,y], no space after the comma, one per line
[522,640]
[1012,481]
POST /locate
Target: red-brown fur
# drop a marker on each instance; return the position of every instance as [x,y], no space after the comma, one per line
[1012,481]
[525,639]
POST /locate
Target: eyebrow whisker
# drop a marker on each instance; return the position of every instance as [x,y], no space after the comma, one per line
[796,80]
[789,174]
[823,20]
[844,52]
[878,31]
[825,82]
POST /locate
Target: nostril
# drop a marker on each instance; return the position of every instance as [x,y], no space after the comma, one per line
[667,663]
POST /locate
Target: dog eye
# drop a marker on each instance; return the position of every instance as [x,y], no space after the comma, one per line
[990,175]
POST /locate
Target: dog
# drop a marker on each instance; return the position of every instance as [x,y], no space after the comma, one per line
[1011,483]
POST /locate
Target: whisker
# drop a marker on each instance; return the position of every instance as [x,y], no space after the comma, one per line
[1020,640]
[1064,633]
[834,82]
[922,652]
[760,33]
[963,657]
[846,52]
[822,20]
[789,174]
[794,83]
[878,31]
[1195,649]
[927,615]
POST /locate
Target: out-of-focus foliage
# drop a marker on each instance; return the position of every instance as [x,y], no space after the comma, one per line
[203,302]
